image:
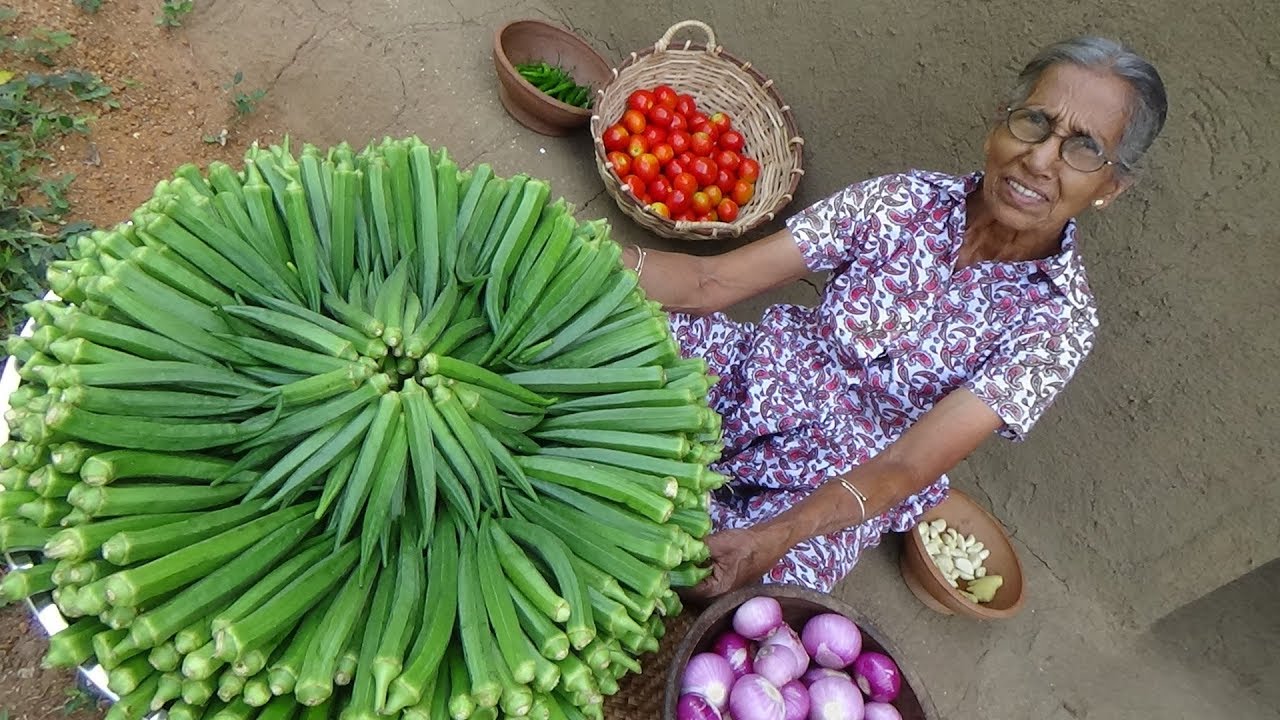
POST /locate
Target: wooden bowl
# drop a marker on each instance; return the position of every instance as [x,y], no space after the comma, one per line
[798,605]
[926,581]
[524,41]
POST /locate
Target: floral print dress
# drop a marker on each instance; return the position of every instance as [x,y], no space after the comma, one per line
[810,393]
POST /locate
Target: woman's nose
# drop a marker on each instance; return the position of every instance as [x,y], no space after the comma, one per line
[1042,156]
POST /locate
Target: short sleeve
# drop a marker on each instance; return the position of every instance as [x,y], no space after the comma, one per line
[832,231]
[1021,379]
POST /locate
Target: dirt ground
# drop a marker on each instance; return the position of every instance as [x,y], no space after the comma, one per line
[1149,485]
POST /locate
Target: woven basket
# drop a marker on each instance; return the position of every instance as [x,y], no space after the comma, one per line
[719,82]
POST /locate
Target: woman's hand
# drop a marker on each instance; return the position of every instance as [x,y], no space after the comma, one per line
[738,558]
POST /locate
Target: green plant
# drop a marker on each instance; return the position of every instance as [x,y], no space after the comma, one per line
[41,46]
[89,6]
[33,113]
[78,699]
[172,12]
[244,102]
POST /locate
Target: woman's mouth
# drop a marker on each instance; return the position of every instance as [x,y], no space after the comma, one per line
[1021,194]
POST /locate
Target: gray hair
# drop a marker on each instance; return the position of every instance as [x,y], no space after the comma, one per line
[1148,103]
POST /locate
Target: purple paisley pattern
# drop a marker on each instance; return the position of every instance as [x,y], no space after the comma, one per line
[809,393]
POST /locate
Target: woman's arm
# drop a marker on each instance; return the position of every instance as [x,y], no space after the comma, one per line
[943,436]
[703,285]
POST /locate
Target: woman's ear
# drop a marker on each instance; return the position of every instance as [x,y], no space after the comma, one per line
[1111,190]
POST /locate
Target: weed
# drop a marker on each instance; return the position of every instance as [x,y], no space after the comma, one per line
[173,11]
[78,699]
[89,6]
[35,110]
[41,46]
[244,102]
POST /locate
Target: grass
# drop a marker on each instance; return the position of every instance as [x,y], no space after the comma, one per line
[78,699]
[36,110]
[173,11]
[89,6]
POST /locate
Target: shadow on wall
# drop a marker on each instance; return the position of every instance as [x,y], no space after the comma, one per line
[1235,628]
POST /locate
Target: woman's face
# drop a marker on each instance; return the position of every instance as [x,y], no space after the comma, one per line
[1029,186]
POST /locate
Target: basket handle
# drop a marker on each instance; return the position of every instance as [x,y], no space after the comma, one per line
[665,40]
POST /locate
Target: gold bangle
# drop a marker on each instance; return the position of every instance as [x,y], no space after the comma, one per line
[857,495]
[640,254]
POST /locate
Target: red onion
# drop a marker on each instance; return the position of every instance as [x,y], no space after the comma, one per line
[881,711]
[777,664]
[757,617]
[832,639]
[737,650]
[696,707]
[788,638]
[795,699]
[755,698]
[877,676]
[817,673]
[832,698]
[710,676]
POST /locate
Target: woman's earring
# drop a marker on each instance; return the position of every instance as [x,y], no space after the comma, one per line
[1099,203]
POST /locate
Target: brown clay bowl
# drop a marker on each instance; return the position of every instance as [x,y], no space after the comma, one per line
[926,581]
[524,41]
[798,605]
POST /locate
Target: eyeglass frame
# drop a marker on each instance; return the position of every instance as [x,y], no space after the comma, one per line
[1008,118]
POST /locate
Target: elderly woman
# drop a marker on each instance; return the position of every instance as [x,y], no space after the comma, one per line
[956,307]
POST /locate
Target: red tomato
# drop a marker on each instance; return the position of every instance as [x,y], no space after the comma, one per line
[621,163]
[727,210]
[699,203]
[749,170]
[654,135]
[732,140]
[701,144]
[686,158]
[709,216]
[641,100]
[673,168]
[616,138]
[678,200]
[679,140]
[659,188]
[637,146]
[661,115]
[714,193]
[685,105]
[686,216]
[742,193]
[678,122]
[660,208]
[664,95]
[721,121]
[635,185]
[647,167]
[664,153]
[696,118]
[725,181]
[634,121]
[728,160]
[686,182]
[705,170]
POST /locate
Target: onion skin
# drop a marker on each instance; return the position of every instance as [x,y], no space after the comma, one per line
[710,676]
[777,664]
[737,650]
[755,698]
[795,699]
[881,711]
[757,617]
[832,639]
[832,698]
[877,676]
[787,637]
[817,673]
[696,707]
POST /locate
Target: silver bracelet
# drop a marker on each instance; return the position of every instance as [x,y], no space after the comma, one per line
[640,254]
[857,495]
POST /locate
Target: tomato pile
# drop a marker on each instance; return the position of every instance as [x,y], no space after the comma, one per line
[681,163]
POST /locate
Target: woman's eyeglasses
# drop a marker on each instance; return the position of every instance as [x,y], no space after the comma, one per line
[1080,152]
